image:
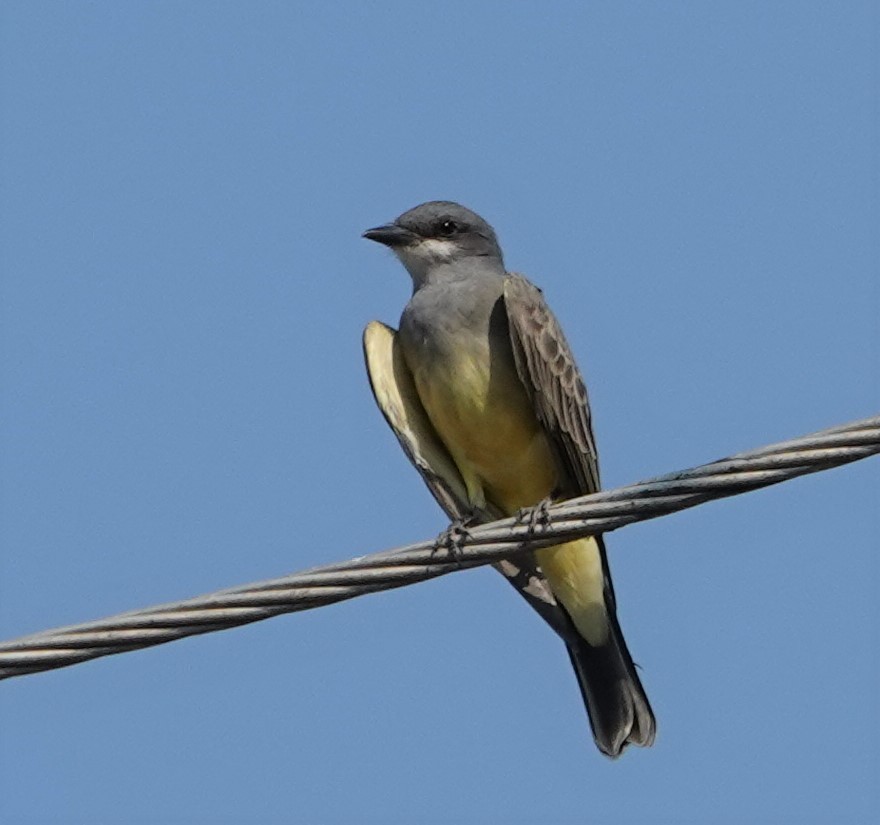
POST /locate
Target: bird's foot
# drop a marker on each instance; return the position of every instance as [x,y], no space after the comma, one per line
[537,516]
[452,537]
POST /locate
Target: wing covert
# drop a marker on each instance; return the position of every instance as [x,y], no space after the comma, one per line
[547,368]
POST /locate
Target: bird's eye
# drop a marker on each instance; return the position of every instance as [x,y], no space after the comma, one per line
[448,227]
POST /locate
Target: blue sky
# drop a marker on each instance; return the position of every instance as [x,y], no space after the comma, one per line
[184,405]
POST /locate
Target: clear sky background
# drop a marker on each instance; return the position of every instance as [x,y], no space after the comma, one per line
[184,404]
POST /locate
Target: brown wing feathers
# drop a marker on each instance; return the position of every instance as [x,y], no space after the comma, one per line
[548,370]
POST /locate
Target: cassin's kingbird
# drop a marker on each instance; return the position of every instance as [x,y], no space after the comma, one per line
[483,393]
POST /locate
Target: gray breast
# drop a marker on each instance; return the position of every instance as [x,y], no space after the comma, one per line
[441,318]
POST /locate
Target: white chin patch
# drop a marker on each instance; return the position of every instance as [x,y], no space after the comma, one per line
[427,252]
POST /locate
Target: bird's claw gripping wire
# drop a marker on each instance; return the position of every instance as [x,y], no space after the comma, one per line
[537,516]
[452,537]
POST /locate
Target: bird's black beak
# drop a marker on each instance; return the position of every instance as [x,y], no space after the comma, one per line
[391,235]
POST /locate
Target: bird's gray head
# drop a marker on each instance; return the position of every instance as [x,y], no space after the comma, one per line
[433,237]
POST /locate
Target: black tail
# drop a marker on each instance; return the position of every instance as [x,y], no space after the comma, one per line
[617,705]
[618,708]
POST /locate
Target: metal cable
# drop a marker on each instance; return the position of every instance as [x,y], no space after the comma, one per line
[588,515]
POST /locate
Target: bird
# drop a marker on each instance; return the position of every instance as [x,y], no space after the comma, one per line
[482,390]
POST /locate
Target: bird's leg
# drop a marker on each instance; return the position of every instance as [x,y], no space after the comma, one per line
[451,538]
[536,516]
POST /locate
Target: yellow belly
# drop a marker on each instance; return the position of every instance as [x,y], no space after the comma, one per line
[487,422]
[484,417]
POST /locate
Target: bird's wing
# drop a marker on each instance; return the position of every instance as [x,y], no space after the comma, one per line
[548,370]
[396,395]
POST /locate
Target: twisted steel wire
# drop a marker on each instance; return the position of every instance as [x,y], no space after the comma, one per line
[587,515]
